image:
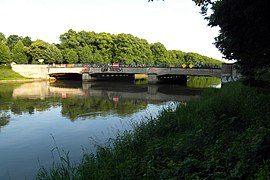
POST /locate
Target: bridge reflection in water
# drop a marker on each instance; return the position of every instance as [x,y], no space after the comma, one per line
[111,90]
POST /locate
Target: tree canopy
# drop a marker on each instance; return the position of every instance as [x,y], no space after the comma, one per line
[99,48]
[4,53]
[244,33]
[18,54]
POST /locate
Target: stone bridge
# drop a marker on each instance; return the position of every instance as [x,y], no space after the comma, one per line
[155,74]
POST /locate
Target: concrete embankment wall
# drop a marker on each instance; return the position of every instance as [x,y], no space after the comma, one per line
[31,70]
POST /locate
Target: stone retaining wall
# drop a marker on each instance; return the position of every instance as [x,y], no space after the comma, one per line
[31,70]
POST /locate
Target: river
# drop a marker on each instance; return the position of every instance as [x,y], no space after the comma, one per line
[38,120]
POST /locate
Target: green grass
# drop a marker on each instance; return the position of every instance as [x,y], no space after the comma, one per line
[6,73]
[224,134]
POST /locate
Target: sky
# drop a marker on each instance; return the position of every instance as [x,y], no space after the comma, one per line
[177,24]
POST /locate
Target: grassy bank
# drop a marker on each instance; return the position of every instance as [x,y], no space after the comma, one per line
[224,134]
[6,73]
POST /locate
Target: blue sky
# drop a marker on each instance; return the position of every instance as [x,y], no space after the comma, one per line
[177,24]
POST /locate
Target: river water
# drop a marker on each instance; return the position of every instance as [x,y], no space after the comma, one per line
[40,119]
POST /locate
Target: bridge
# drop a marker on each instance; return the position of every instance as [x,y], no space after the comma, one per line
[155,74]
[90,73]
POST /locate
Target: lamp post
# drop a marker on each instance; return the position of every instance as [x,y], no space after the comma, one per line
[41,61]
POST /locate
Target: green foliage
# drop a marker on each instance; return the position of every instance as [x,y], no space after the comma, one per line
[69,39]
[160,53]
[224,134]
[4,53]
[12,40]
[53,54]
[101,48]
[18,54]
[244,33]
[70,56]
[130,49]
[177,57]
[98,58]
[2,38]
[27,41]
[86,55]
[38,50]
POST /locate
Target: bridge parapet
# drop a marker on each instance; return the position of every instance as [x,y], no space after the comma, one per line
[159,71]
[75,70]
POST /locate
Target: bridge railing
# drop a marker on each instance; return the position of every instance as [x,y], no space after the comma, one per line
[197,65]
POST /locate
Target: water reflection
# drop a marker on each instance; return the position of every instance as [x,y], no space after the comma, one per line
[4,120]
[203,82]
[81,100]
[72,112]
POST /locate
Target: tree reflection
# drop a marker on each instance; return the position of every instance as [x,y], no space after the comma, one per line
[203,82]
[20,106]
[92,100]
[73,108]
[4,120]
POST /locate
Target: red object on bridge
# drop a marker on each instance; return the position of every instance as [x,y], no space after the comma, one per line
[115,65]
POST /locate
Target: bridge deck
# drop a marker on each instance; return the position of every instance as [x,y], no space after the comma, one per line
[159,71]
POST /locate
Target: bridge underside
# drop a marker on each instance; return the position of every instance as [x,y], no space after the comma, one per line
[180,79]
[67,76]
[111,77]
[152,78]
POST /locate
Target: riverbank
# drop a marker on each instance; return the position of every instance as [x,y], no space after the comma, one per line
[224,134]
[6,74]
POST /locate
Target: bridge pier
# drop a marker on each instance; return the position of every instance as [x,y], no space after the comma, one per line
[86,77]
[152,89]
[152,78]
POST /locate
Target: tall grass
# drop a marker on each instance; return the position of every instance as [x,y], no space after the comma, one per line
[224,134]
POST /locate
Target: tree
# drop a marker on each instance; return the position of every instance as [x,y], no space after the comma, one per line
[69,40]
[104,44]
[244,33]
[86,55]
[177,57]
[70,56]
[17,53]
[2,38]
[12,40]
[38,50]
[160,53]
[53,54]
[97,57]
[4,53]
[27,41]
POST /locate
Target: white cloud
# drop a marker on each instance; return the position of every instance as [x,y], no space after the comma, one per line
[175,23]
